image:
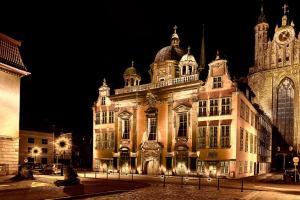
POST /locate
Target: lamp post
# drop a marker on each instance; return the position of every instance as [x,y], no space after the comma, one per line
[35,152]
[62,145]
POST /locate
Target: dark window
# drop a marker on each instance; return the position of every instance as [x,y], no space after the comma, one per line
[44,141]
[30,140]
[44,161]
[152,126]
[98,118]
[217,82]
[44,150]
[104,118]
[193,163]
[103,100]
[213,107]
[225,136]
[111,117]
[213,136]
[182,131]
[201,140]
[126,129]
[202,108]
[169,163]
[225,106]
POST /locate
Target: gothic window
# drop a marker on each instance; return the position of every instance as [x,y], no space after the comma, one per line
[111,117]
[285,109]
[98,118]
[213,136]
[125,132]
[213,107]
[182,131]
[225,136]
[241,139]
[152,127]
[225,106]
[201,140]
[103,100]
[104,120]
[202,108]
[217,82]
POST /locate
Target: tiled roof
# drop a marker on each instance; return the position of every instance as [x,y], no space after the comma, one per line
[9,52]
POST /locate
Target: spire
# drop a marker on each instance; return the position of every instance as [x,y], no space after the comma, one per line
[132,63]
[202,55]
[175,38]
[217,55]
[104,82]
[284,17]
[189,50]
[262,17]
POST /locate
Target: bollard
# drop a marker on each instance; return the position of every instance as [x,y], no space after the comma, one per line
[218,184]
[181,181]
[242,188]
[199,182]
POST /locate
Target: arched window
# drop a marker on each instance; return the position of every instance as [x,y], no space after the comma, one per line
[183,70]
[190,70]
[285,109]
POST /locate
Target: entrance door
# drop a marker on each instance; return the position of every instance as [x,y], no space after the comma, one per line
[212,169]
[152,167]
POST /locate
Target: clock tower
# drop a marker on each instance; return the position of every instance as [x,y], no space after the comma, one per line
[275,76]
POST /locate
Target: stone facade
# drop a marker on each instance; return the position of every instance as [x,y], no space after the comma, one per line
[275,76]
[178,124]
[11,70]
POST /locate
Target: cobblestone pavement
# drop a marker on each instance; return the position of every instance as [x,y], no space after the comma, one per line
[172,192]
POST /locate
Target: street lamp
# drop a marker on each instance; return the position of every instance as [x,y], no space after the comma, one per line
[35,152]
[62,145]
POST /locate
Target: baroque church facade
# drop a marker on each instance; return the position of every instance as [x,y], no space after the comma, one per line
[179,124]
[275,77]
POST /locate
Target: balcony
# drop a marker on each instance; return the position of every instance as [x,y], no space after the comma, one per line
[160,84]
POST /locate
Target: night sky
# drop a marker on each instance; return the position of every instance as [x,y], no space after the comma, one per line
[70,47]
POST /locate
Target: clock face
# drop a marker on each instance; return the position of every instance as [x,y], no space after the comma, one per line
[284,36]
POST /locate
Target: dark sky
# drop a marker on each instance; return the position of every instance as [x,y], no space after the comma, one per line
[69,47]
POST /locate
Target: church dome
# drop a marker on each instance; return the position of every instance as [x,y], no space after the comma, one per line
[169,53]
[188,58]
[130,71]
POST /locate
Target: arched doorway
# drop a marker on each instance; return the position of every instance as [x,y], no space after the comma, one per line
[124,161]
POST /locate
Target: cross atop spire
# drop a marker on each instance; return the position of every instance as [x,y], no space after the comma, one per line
[132,63]
[285,9]
[175,28]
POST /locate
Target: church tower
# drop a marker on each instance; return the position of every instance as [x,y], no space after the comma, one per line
[274,78]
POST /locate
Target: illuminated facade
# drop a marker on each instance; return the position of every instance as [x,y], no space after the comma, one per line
[11,71]
[179,124]
[275,76]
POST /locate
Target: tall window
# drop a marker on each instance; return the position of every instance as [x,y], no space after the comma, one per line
[103,100]
[246,141]
[152,126]
[111,117]
[225,106]
[225,136]
[240,167]
[125,134]
[98,140]
[224,167]
[251,166]
[247,114]
[252,119]
[285,109]
[255,144]
[217,82]
[98,118]
[104,118]
[241,139]
[201,167]
[201,142]
[251,143]
[213,107]
[213,136]
[242,110]
[182,131]
[202,108]
[246,167]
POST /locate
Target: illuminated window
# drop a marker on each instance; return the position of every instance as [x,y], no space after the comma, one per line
[217,82]
[104,118]
[182,131]
[224,167]
[103,100]
[246,167]
[125,133]
[285,110]
[98,141]
[225,136]
[201,140]
[213,107]
[98,118]
[201,167]
[111,117]
[202,108]
[152,126]
[213,136]
[241,139]
[225,106]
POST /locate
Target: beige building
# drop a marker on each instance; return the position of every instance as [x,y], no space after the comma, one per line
[274,78]
[36,147]
[11,71]
[177,123]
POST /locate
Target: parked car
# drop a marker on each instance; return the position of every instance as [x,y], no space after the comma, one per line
[52,169]
[289,175]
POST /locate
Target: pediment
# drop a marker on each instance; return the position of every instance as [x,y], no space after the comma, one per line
[181,108]
[125,115]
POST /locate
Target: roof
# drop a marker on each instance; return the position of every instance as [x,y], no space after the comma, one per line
[9,52]
[169,53]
